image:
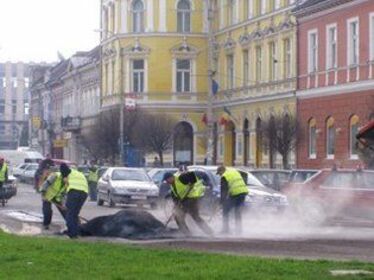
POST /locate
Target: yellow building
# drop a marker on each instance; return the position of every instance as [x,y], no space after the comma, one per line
[157,52]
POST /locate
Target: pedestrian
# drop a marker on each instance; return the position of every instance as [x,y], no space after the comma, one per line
[186,192]
[156,162]
[77,191]
[233,193]
[53,191]
[93,177]
[3,172]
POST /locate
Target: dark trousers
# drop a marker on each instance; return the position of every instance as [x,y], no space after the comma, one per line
[236,203]
[92,190]
[190,206]
[48,212]
[74,203]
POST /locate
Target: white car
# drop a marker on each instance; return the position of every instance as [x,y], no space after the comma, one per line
[19,169]
[28,174]
[126,186]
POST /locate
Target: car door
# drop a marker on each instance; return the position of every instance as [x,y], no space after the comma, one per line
[363,199]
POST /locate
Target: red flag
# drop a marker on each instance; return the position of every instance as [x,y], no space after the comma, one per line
[205,119]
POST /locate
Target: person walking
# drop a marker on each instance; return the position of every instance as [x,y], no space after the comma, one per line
[186,192]
[77,191]
[93,177]
[53,192]
[233,193]
[3,172]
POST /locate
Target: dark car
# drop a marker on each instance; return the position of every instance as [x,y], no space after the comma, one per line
[157,175]
[272,178]
[338,194]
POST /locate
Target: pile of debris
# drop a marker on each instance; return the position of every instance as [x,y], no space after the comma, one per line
[129,224]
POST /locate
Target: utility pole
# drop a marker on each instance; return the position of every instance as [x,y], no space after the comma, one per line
[121,105]
[210,122]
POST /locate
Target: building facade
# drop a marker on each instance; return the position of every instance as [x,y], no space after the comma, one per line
[65,100]
[14,103]
[157,52]
[335,84]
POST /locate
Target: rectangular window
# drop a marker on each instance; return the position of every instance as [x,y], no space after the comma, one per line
[138,75]
[312,141]
[272,61]
[353,140]
[287,58]
[250,9]
[2,107]
[14,107]
[331,48]
[330,142]
[231,5]
[371,36]
[245,68]
[230,71]
[312,51]
[258,64]
[353,42]
[183,75]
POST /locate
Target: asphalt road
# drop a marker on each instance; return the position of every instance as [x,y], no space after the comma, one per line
[262,236]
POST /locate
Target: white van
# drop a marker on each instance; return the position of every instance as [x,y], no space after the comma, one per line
[15,158]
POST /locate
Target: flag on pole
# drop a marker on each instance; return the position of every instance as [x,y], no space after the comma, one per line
[215,87]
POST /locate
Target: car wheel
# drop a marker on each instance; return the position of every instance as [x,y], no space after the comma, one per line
[99,201]
[111,201]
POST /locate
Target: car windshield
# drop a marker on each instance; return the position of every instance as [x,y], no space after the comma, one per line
[32,167]
[131,175]
[301,176]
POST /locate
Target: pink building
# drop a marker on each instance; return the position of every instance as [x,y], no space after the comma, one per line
[335,83]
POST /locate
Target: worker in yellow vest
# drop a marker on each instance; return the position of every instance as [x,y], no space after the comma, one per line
[3,172]
[233,193]
[77,191]
[187,191]
[53,191]
[93,177]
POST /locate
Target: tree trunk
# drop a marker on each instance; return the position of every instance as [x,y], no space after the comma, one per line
[285,161]
[161,156]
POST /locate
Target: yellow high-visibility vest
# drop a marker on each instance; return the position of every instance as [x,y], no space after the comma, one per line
[182,191]
[77,181]
[235,181]
[3,171]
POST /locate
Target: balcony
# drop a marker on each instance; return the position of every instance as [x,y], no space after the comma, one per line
[71,123]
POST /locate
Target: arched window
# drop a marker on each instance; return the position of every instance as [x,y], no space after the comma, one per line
[184,16]
[138,16]
[312,138]
[330,138]
[353,130]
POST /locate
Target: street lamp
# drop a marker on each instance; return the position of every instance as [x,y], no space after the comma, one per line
[121,103]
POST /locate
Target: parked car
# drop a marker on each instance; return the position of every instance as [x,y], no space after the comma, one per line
[127,186]
[85,169]
[259,197]
[298,176]
[101,171]
[19,169]
[157,175]
[335,194]
[272,178]
[27,176]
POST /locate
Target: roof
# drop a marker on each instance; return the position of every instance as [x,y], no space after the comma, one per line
[307,7]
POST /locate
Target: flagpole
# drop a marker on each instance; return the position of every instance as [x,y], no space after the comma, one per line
[210,121]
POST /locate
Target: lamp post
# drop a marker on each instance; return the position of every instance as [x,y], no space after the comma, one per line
[121,101]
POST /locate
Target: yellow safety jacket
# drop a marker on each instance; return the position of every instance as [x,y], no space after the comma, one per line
[93,176]
[3,171]
[56,190]
[235,182]
[182,191]
[77,181]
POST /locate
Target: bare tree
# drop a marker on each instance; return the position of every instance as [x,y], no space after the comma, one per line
[102,141]
[281,133]
[154,134]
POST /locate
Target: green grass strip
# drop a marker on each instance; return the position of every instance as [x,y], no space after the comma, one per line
[50,258]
